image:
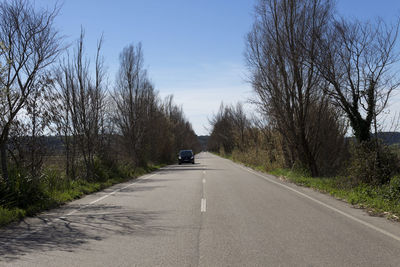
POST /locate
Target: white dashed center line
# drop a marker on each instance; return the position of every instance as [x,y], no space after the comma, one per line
[203,205]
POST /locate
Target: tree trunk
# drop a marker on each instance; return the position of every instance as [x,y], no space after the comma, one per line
[3,156]
[361,130]
[312,165]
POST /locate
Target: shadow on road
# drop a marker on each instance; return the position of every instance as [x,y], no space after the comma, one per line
[91,223]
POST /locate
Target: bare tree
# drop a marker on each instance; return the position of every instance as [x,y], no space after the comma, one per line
[222,138]
[356,59]
[27,134]
[134,98]
[178,133]
[32,44]
[80,117]
[62,114]
[241,124]
[229,128]
[287,85]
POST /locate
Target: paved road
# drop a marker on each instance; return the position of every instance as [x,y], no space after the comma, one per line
[213,213]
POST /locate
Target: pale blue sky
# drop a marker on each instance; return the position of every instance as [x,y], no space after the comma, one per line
[192,49]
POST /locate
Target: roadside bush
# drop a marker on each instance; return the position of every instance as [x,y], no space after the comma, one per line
[101,171]
[105,170]
[300,169]
[265,159]
[25,189]
[9,215]
[394,188]
[5,195]
[372,163]
[395,184]
[55,179]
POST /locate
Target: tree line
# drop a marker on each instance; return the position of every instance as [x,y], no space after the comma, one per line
[49,88]
[314,74]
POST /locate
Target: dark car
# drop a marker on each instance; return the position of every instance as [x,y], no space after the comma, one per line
[186,156]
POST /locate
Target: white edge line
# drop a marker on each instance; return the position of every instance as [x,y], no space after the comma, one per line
[325,205]
[117,190]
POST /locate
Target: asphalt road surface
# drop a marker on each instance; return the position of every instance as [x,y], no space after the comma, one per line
[212,213]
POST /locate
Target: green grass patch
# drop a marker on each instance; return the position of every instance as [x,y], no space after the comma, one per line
[9,215]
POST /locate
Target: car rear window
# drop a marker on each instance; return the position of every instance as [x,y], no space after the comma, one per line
[186,153]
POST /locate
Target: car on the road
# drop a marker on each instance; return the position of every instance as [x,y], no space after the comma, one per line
[185,156]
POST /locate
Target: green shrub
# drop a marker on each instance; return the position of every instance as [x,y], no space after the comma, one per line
[372,163]
[10,215]
[260,159]
[106,170]
[23,190]
[393,189]
[101,172]
[300,169]
[55,179]
[395,184]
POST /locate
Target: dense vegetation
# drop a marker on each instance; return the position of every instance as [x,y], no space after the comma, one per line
[314,74]
[64,129]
